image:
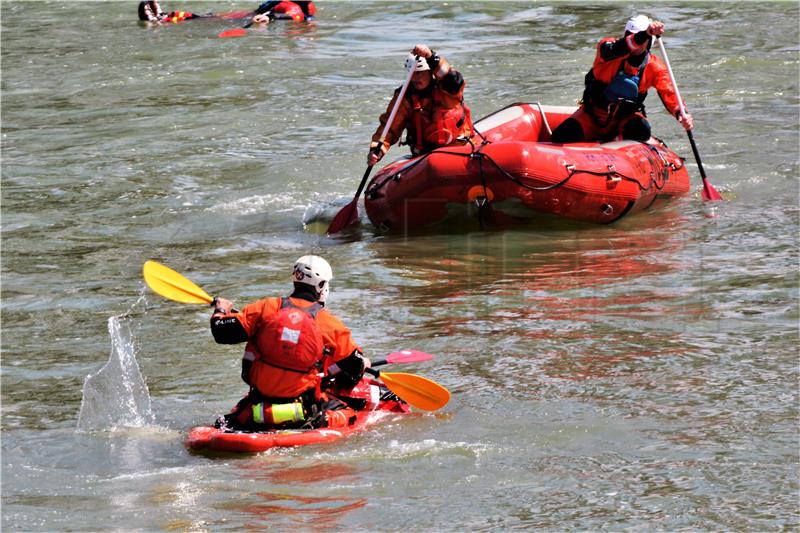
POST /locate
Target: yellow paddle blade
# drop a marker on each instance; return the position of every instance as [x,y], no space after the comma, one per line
[169,284]
[416,391]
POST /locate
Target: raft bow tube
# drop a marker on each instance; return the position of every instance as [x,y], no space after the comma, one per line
[516,170]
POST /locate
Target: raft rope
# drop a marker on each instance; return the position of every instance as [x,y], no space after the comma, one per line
[610,174]
[484,206]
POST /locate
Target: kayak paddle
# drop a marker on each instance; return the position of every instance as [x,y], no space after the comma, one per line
[709,192]
[416,391]
[349,214]
[403,356]
[173,286]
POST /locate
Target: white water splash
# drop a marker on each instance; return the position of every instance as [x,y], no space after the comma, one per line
[117,395]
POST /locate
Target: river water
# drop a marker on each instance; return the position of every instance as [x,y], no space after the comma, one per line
[638,376]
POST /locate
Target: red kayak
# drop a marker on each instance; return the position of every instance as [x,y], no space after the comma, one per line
[207,438]
[512,172]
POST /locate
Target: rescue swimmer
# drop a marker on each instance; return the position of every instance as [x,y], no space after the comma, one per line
[616,86]
[295,350]
[432,112]
[150,11]
[284,10]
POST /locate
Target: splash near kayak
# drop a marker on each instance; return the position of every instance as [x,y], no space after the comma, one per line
[514,169]
[374,403]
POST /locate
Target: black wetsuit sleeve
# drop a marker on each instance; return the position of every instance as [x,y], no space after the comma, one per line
[227,329]
[265,7]
[351,369]
[619,48]
[452,82]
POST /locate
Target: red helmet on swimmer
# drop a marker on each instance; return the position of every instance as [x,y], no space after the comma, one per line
[315,271]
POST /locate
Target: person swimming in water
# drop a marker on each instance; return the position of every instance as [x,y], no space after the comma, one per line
[150,11]
[284,10]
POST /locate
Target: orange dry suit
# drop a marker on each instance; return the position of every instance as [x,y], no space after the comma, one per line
[624,70]
[612,71]
[433,117]
[290,344]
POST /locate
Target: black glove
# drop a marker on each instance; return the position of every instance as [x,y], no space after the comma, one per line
[351,369]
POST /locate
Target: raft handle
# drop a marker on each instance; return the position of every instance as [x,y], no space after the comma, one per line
[612,176]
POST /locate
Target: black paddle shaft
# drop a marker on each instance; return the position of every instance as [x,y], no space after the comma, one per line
[363,183]
[696,155]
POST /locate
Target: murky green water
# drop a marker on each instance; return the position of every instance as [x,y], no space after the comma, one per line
[639,376]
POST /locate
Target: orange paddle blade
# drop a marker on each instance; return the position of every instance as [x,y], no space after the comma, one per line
[417,391]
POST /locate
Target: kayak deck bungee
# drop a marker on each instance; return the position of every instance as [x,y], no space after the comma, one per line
[514,168]
[212,439]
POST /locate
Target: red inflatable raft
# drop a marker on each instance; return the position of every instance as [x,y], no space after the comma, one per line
[514,169]
[207,438]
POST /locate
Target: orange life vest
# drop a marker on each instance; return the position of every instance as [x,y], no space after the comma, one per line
[178,16]
[289,351]
[444,125]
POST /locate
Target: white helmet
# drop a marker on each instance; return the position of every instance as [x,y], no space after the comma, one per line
[417,63]
[315,271]
[323,294]
[637,23]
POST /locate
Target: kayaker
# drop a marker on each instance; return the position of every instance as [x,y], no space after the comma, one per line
[432,111]
[284,10]
[624,70]
[292,344]
[150,11]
